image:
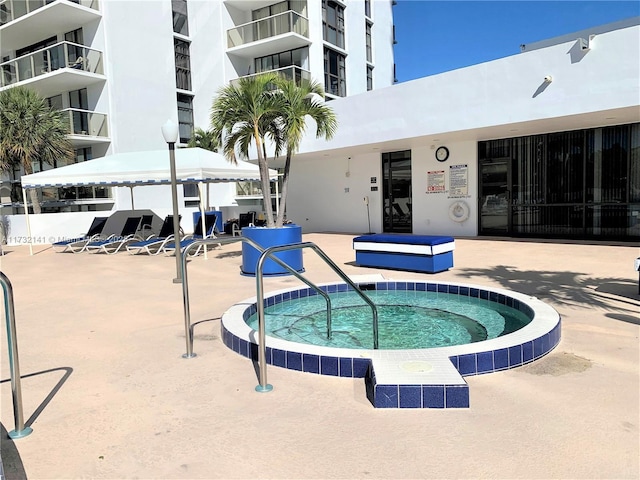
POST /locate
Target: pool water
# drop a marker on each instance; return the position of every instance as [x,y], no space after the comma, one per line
[407,319]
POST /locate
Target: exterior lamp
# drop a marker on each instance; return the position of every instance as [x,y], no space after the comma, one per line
[170,134]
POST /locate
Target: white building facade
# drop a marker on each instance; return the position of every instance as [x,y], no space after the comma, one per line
[545,143]
[120,69]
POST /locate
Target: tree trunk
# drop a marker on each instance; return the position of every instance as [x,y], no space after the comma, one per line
[264,178]
[282,206]
[33,193]
[35,202]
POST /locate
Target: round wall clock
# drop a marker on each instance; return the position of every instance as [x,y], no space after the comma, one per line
[442,153]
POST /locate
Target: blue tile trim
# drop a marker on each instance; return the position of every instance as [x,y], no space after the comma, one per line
[360,367]
[467,364]
[329,366]
[433,396]
[386,396]
[457,396]
[346,367]
[294,361]
[279,358]
[410,396]
[501,359]
[310,363]
[484,360]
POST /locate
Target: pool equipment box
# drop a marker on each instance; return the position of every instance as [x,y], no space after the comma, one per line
[418,253]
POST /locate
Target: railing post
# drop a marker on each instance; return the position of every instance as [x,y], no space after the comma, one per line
[16,390]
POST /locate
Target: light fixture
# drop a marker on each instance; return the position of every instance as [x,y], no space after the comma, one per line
[170,134]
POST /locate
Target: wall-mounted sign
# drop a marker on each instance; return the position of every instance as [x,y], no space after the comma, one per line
[435,181]
[374,189]
[374,179]
[458,181]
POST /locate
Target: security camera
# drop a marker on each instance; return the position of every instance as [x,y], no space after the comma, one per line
[548,79]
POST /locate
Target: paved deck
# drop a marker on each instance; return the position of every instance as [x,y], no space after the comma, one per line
[108,395]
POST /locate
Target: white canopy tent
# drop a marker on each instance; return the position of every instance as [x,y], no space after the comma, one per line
[193,165]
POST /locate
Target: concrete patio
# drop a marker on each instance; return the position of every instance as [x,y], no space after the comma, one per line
[109,396]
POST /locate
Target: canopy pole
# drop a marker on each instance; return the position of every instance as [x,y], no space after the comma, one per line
[26,217]
[204,222]
[131,190]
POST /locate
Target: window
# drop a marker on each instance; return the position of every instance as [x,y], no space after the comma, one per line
[368,42]
[298,6]
[185,117]
[183,64]
[333,23]
[369,78]
[78,102]
[55,102]
[280,60]
[180,24]
[367,8]
[334,73]
[576,184]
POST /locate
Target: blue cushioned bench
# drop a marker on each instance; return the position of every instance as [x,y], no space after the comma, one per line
[418,253]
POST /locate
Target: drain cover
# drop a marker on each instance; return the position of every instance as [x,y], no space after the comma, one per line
[417,366]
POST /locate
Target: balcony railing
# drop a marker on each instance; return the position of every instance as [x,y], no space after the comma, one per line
[293,72]
[287,22]
[11,10]
[47,60]
[84,122]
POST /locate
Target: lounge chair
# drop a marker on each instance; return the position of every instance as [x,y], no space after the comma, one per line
[114,243]
[154,244]
[78,244]
[244,220]
[170,247]
[146,226]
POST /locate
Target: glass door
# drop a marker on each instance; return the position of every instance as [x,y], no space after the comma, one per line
[396,182]
[494,196]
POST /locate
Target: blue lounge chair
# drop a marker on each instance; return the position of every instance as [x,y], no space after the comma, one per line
[169,248]
[78,244]
[114,243]
[153,244]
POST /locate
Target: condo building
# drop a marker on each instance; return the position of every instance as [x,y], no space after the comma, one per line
[120,68]
[543,143]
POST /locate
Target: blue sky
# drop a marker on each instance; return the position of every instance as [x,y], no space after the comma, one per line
[438,36]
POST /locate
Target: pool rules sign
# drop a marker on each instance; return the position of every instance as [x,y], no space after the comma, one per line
[458,181]
[435,181]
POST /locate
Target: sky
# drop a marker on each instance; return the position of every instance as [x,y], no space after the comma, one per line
[439,36]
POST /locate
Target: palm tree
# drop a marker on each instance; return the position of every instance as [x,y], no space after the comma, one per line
[31,131]
[268,106]
[246,113]
[305,100]
[204,139]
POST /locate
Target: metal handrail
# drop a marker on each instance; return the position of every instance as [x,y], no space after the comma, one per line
[269,253]
[16,390]
[219,241]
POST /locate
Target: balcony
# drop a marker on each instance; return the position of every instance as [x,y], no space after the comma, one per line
[61,67]
[284,31]
[293,72]
[23,22]
[86,127]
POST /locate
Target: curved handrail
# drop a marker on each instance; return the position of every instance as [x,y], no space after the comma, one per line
[16,390]
[269,253]
[219,241]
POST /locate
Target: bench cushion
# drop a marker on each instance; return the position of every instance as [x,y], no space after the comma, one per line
[411,244]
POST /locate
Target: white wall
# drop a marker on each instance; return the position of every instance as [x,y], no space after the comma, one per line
[498,99]
[141,70]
